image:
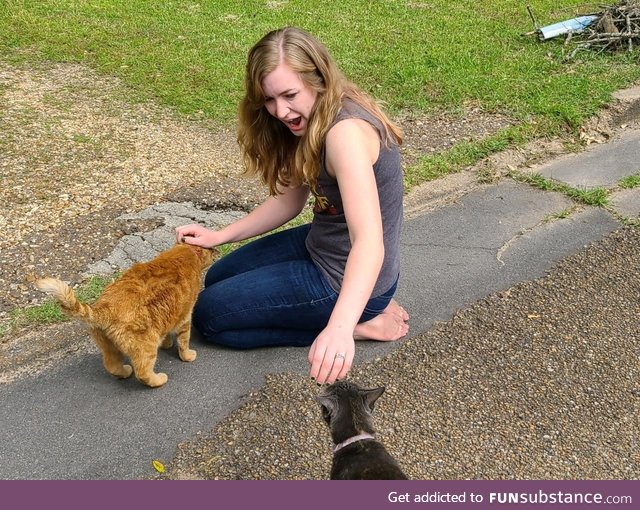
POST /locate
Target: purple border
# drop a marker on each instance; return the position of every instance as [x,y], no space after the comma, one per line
[320,495]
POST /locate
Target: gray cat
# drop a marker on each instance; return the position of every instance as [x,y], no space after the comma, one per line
[357,455]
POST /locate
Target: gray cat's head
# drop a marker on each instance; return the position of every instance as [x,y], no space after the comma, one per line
[347,408]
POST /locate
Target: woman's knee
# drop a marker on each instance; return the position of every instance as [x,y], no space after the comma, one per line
[202,319]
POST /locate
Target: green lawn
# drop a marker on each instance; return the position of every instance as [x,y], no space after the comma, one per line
[417,55]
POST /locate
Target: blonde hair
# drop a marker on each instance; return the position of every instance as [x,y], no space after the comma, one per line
[268,147]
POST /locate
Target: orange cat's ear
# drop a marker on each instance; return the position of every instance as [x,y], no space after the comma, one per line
[207,255]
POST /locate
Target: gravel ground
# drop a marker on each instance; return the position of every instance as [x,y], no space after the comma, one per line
[537,382]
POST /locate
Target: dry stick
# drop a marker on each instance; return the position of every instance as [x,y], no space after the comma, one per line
[613,36]
[624,20]
[533,18]
[568,39]
[588,45]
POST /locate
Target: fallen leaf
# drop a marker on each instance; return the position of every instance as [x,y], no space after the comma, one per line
[158,466]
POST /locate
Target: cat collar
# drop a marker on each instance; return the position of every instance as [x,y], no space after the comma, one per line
[352,439]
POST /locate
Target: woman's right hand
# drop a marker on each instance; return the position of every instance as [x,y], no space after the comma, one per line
[197,235]
[272,213]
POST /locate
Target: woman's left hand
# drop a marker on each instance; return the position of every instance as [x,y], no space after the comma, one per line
[331,355]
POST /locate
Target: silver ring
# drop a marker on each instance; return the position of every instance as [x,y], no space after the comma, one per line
[340,355]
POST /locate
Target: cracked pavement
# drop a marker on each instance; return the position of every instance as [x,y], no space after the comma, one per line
[143,246]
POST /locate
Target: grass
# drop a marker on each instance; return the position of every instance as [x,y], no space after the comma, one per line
[418,57]
[564,214]
[49,311]
[630,181]
[412,55]
[465,154]
[588,196]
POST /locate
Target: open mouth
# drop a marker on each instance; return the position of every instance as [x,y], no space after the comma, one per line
[294,123]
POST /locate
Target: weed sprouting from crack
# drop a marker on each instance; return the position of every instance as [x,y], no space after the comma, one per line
[597,196]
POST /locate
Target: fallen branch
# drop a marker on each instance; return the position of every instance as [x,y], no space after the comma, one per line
[613,28]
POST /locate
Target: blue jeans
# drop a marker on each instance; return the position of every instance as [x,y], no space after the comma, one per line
[270,293]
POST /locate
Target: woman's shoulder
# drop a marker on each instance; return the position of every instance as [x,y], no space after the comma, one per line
[353,111]
[351,138]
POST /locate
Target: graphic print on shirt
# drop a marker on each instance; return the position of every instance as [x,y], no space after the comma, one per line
[322,204]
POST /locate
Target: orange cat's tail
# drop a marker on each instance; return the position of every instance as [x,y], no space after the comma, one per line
[66,297]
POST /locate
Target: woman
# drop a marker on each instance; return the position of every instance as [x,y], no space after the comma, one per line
[304,128]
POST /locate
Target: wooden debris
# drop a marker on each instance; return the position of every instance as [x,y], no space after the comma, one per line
[615,28]
[618,28]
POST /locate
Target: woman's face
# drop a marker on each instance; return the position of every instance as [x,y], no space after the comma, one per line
[288,98]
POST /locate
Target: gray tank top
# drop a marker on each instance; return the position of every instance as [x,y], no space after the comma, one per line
[328,240]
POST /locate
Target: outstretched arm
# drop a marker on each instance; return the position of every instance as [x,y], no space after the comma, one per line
[274,212]
[352,148]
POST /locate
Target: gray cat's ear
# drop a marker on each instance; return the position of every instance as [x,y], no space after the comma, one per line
[370,396]
[326,406]
[324,401]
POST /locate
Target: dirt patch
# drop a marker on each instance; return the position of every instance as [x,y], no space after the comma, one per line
[39,349]
[442,131]
[76,155]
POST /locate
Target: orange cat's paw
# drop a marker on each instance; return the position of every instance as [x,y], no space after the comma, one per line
[157,380]
[188,355]
[122,372]
[167,342]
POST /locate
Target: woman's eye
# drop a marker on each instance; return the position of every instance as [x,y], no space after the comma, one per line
[290,96]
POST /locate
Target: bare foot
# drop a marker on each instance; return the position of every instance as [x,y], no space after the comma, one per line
[386,327]
[394,308]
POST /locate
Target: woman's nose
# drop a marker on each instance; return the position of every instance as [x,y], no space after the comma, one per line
[282,109]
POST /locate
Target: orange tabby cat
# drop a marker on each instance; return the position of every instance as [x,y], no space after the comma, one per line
[136,314]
